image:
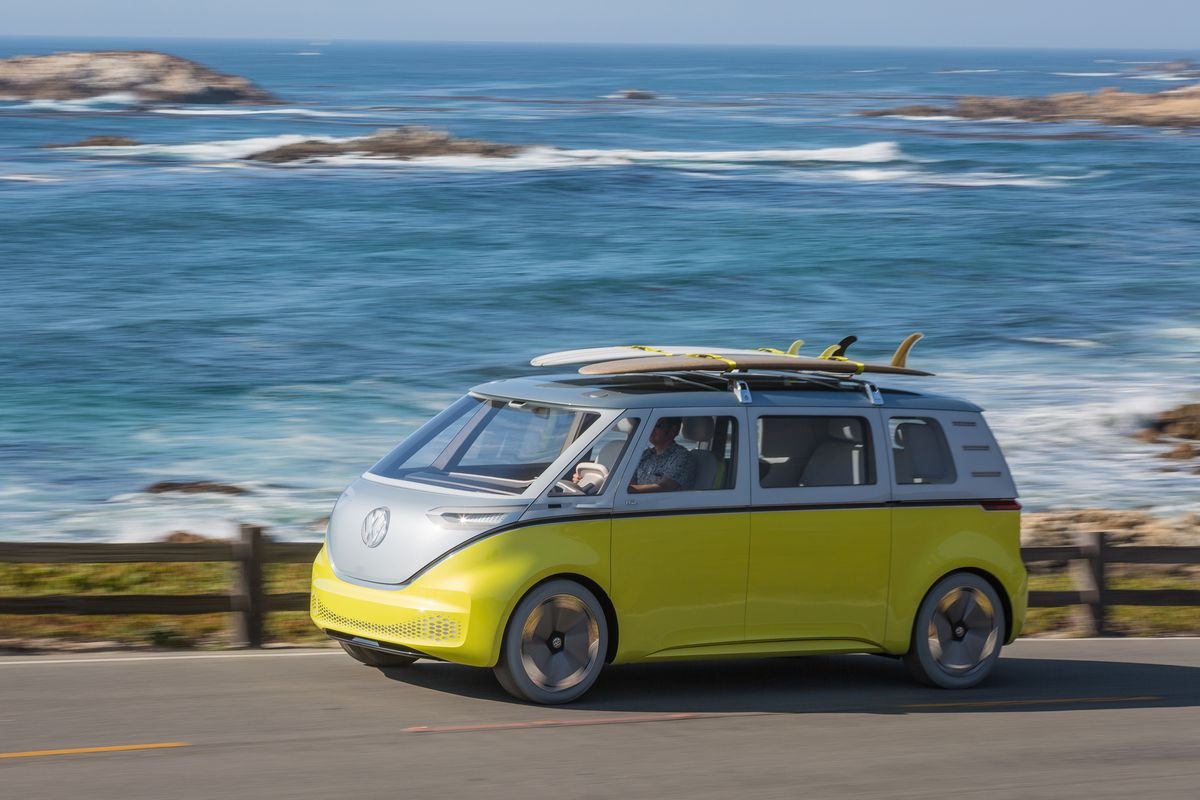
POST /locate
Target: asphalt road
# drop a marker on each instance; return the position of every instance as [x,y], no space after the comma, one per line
[1061,719]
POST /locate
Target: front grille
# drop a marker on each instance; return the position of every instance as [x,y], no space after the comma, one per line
[436,628]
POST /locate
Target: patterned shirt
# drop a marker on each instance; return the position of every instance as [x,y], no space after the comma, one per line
[673,463]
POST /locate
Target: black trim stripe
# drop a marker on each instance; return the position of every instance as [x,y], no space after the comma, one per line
[594,515]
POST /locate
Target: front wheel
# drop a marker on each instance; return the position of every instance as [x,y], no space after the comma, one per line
[554,644]
[957,634]
[376,658]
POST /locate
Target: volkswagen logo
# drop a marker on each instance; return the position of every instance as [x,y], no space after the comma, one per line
[375,526]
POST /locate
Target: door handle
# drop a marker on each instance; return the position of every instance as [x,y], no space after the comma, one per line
[590,506]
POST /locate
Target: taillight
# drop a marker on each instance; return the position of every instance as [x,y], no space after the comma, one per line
[1000,505]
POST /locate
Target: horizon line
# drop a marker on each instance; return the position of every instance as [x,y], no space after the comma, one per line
[590,43]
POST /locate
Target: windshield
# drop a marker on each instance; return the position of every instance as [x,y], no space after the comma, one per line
[495,446]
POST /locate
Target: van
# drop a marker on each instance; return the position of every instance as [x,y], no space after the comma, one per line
[544,527]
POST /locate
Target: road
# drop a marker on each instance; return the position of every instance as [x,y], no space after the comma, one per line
[1060,718]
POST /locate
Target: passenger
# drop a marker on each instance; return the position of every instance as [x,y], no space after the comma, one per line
[666,465]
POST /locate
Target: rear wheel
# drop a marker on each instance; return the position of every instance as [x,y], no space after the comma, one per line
[554,644]
[957,633]
[376,658]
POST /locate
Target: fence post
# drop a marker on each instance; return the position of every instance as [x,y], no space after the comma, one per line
[248,589]
[1091,579]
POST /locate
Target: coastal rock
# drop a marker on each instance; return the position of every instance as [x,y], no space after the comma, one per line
[99,141]
[194,487]
[393,143]
[1177,423]
[1175,108]
[149,76]
[636,94]
[1126,527]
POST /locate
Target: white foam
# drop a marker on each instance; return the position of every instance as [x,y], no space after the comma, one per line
[964,71]
[30,178]
[926,117]
[874,152]
[189,111]
[205,151]
[117,101]
[1164,76]
[961,179]
[1086,74]
[1078,343]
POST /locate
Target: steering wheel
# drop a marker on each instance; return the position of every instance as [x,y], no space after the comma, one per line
[565,487]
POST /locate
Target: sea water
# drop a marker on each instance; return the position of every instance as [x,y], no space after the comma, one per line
[172,311]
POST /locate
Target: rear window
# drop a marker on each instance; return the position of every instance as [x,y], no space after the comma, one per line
[920,452]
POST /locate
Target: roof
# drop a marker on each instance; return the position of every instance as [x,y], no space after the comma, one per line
[675,390]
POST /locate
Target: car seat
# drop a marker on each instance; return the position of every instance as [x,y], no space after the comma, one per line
[840,459]
[699,430]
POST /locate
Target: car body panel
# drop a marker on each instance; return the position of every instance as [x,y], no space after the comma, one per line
[931,541]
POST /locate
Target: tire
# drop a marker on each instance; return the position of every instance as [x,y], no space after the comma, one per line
[376,658]
[554,644]
[957,634]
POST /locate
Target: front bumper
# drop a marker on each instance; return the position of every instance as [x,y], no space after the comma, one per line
[424,619]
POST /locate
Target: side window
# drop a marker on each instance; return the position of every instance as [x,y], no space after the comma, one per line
[920,451]
[814,451]
[692,453]
[591,472]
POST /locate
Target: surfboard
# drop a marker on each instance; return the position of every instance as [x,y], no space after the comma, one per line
[718,362]
[592,355]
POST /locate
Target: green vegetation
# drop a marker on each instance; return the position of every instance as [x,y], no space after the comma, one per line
[194,630]
[216,630]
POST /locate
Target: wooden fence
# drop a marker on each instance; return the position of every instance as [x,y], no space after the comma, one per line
[250,603]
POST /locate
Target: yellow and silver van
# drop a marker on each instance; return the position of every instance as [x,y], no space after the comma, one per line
[531,528]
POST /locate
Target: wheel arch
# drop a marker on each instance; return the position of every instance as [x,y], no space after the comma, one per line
[606,604]
[993,581]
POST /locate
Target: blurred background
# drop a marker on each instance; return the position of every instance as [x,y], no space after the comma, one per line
[176,313]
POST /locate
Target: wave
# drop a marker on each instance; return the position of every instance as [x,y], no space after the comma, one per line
[1086,74]
[961,179]
[964,71]
[1078,343]
[189,111]
[30,178]
[206,151]
[529,159]
[118,101]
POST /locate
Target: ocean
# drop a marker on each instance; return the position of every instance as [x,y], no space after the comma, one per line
[174,312]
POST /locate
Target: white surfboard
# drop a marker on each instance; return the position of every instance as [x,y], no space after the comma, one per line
[591,355]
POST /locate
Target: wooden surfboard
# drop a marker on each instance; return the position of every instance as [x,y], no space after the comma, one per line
[725,363]
[591,355]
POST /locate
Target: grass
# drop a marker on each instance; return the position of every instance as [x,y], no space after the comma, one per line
[163,630]
[216,630]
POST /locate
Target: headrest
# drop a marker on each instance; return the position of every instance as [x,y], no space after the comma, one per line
[845,429]
[698,429]
[627,425]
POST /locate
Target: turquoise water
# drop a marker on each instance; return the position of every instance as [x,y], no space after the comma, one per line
[172,312]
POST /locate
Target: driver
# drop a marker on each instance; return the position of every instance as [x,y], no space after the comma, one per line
[666,465]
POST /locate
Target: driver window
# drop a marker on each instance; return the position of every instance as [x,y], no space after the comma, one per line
[590,474]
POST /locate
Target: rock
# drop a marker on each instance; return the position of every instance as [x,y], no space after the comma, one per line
[1180,66]
[636,94]
[394,143]
[1177,423]
[149,76]
[1175,108]
[187,537]
[1181,452]
[1127,527]
[193,487]
[99,141]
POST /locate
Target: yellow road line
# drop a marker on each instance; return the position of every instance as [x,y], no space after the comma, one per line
[78,750]
[1044,701]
